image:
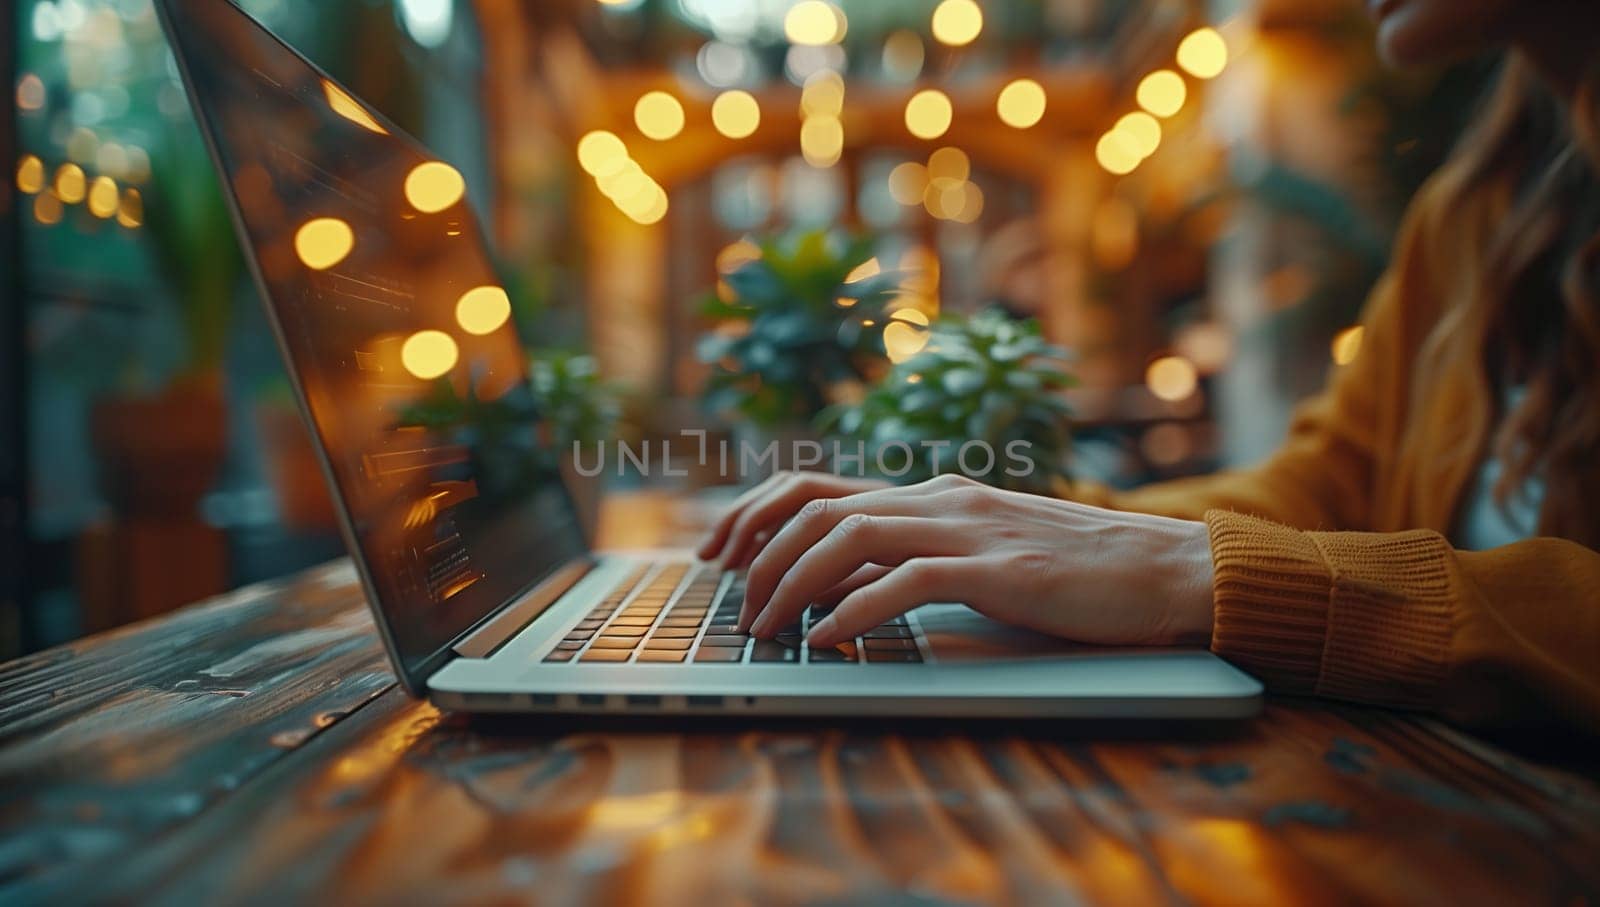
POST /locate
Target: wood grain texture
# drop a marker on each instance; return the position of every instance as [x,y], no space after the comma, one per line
[254,749]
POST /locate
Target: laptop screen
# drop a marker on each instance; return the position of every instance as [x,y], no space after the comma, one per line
[397,332]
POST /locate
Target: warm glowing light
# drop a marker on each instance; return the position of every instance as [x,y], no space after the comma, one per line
[601,152]
[737,254]
[928,114]
[949,163]
[957,22]
[868,268]
[814,22]
[1021,104]
[1172,378]
[1203,54]
[434,186]
[1116,153]
[905,335]
[30,92]
[47,208]
[482,310]
[823,94]
[349,108]
[30,174]
[907,182]
[323,242]
[658,115]
[70,184]
[736,114]
[1162,93]
[1142,131]
[429,354]
[651,209]
[970,208]
[130,211]
[103,197]
[1347,345]
[822,141]
[625,183]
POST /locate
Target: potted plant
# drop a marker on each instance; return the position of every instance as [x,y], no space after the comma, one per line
[988,379]
[581,409]
[793,333]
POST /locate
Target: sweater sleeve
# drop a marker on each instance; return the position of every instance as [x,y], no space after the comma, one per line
[1502,638]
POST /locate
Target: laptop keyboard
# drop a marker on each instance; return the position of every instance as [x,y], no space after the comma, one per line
[670,613]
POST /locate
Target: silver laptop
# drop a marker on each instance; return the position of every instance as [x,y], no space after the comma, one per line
[413,381]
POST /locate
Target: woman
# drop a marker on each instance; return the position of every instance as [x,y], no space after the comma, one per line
[1341,566]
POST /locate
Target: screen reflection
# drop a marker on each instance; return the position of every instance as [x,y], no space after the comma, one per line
[397,329]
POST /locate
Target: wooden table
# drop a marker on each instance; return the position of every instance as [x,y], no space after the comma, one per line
[256,748]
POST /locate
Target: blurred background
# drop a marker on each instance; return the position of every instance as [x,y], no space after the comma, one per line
[1191,198]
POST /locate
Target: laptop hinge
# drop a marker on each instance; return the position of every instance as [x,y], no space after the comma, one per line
[497,630]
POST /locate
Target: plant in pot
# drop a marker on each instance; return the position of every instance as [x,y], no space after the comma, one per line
[981,398]
[582,410]
[797,328]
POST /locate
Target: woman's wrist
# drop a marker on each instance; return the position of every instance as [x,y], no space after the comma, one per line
[1190,579]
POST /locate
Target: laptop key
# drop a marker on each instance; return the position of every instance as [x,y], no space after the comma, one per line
[693,622]
[618,632]
[615,642]
[832,656]
[607,655]
[767,650]
[570,645]
[888,633]
[724,640]
[561,655]
[890,645]
[663,655]
[677,644]
[627,621]
[671,632]
[715,655]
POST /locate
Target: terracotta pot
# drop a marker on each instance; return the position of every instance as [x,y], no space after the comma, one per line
[157,456]
[303,499]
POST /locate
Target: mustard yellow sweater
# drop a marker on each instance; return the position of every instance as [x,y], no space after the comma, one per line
[1333,573]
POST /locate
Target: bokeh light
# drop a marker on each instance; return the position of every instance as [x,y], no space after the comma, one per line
[1142,131]
[1162,93]
[658,115]
[907,182]
[905,334]
[130,211]
[1116,153]
[429,354]
[103,198]
[482,310]
[601,152]
[433,186]
[1203,54]
[1172,378]
[1347,345]
[822,140]
[814,22]
[928,114]
[1021,104]
[323,242]
[736,114]
[70,183]
[957,22]
[949,163]
[30,174]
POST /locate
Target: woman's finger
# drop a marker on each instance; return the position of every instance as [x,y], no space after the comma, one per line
[913,583]
[815,519]
[870,573]
[857,540]
[720,532]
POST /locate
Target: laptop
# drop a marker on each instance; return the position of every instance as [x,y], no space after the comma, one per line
[413,381]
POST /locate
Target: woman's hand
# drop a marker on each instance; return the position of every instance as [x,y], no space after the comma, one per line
[747,526]
[1087,574]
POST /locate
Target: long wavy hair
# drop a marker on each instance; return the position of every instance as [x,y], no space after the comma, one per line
[1525,181]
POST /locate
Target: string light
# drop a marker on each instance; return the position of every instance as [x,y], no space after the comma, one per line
[601,152]
[429,354]
[928,114]
[70,183]
[822,140]
[1115,152]
[957,22]
[736,114]
[323,242]
[1203,54]
[907,182]
[433,186]
[1021,104]
[814,23]
[103,197]
[658,115]
[130,211]
[1162,93]
[1172,378]
[30,174]
[1142,131]
[482,310]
